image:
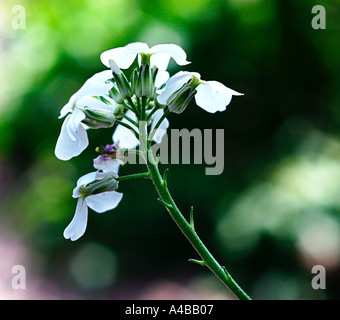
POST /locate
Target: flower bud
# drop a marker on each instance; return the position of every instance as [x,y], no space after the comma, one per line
[146,80]
[136,83]
[107,183]
[154,72]
[121,81]
[96,118]
[115,94]
[180,99]
[117,108]
[143,81]
[145,58]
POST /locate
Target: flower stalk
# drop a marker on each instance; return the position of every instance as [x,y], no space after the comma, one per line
[186,228]
[144,175]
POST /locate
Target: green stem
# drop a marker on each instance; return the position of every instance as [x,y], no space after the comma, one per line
[143,109]
[185,227]
[132,106]
[151,113]
[138,104]
[127,106]
[127,126]
[152,133]
[144,175]
[123,115]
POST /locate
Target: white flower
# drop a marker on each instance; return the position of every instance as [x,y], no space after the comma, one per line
[97,85]
[73,136]
[212,96]
[99,202]
[107,162]
[125,139]
[160,55]
[161,78]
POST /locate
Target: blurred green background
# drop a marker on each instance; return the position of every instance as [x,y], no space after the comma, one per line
[270,217]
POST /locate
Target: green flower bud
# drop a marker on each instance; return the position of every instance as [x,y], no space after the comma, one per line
[108,183]
[115,94]
[121,81]
[145,58]
[95,118]
[136,83]
[142,81]
[117,107]
[154,72]
[146,80]
[180,99]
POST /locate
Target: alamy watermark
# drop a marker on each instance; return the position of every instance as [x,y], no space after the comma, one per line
[319,281]
[19,280]
[19,17]
[187,147]
[319,20]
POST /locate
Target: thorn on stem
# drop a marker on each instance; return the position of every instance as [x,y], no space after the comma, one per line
[167,205]
[165,177]
[192,218]
[157,159]
[200,262]
[226,272]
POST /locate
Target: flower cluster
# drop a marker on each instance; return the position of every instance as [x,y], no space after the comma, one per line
[111,99]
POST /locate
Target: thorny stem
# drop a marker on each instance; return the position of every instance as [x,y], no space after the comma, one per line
[187,228]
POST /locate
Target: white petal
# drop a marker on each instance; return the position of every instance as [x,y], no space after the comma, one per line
[93,103]
[112,165]
[136,47]
[123,137]
[160,60]
[107,165]
[103,175]
[94,86]
[67,107]
[172,50]
[104,201]
[78,224]
[103,75]
[161,78]
[213,96]
[100,162]
[97,85]
[68,148]
[112,54]
[220,87]
[87,178]
[76,118]
[173,84]
[84,180]
[161,130]
[123,56]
